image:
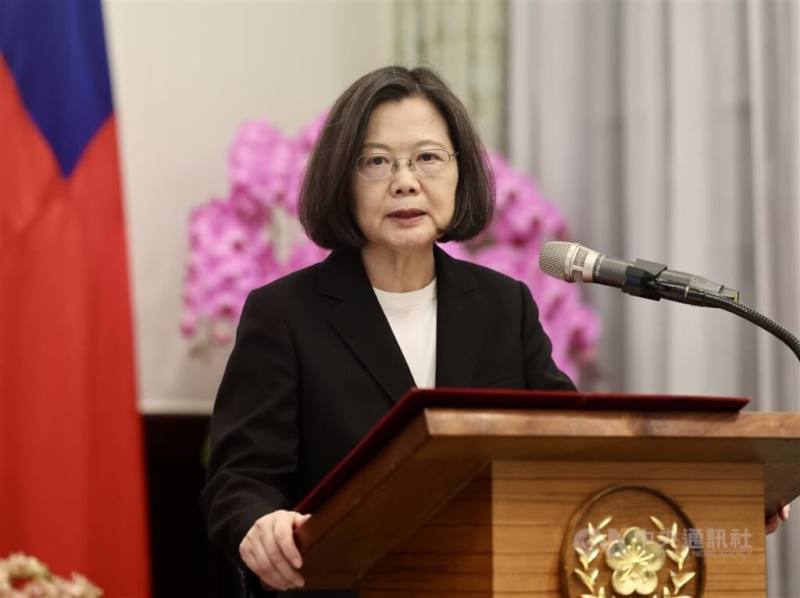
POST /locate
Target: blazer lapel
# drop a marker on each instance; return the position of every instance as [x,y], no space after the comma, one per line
[461,319]
[359,320]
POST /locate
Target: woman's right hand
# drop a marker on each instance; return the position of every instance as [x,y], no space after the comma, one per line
[268,549]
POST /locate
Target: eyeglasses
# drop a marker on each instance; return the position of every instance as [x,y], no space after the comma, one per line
[423,162]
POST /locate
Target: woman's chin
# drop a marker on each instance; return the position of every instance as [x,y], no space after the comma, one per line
[410,241]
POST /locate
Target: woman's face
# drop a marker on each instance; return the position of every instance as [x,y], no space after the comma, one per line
[409,209]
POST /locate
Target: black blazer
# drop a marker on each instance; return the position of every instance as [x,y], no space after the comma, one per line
[315,365]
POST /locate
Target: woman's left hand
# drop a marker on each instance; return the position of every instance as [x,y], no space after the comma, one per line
[774,521]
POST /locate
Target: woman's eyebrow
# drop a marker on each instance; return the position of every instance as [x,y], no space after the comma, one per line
[374,145]
[428,142]
[421,143]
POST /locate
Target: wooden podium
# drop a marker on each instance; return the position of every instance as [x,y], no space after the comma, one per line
[511,493]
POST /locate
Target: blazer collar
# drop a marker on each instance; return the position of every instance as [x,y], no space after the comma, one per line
[460,321]
[359,320]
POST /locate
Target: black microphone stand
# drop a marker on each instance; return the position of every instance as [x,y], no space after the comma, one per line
[756,318]
[641,280]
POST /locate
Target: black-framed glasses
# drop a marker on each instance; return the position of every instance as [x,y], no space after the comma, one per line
[423,162]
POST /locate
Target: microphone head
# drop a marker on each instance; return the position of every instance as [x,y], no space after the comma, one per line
[555,257]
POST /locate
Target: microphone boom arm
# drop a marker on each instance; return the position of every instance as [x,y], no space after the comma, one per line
[642,279]
[758,319]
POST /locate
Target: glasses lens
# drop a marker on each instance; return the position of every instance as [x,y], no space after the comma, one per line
[430,161]
[374,166]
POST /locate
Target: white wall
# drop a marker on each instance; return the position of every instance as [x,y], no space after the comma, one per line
[186,74]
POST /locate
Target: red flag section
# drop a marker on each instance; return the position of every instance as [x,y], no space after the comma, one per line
[71,458]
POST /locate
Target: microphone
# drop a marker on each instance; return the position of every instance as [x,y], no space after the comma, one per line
[572,261]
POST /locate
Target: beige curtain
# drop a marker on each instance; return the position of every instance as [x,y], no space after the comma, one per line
[670,130]
[464,40]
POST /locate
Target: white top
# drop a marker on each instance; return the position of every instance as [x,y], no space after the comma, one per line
[412,317]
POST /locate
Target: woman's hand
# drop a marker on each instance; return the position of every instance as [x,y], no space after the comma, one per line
[774,521]
[269,550]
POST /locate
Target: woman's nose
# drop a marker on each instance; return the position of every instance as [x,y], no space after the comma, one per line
[404,181]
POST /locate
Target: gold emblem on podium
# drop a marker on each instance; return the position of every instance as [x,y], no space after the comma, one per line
[617,544]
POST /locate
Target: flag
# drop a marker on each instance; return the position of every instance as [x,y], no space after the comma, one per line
[72,489]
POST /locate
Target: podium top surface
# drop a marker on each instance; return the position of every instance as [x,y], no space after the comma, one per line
[468,400]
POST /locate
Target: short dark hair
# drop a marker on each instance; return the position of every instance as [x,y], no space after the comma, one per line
[326,197]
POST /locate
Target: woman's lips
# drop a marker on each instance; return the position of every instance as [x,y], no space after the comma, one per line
[406,214]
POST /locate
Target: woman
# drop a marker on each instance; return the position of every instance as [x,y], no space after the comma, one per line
[323,353]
